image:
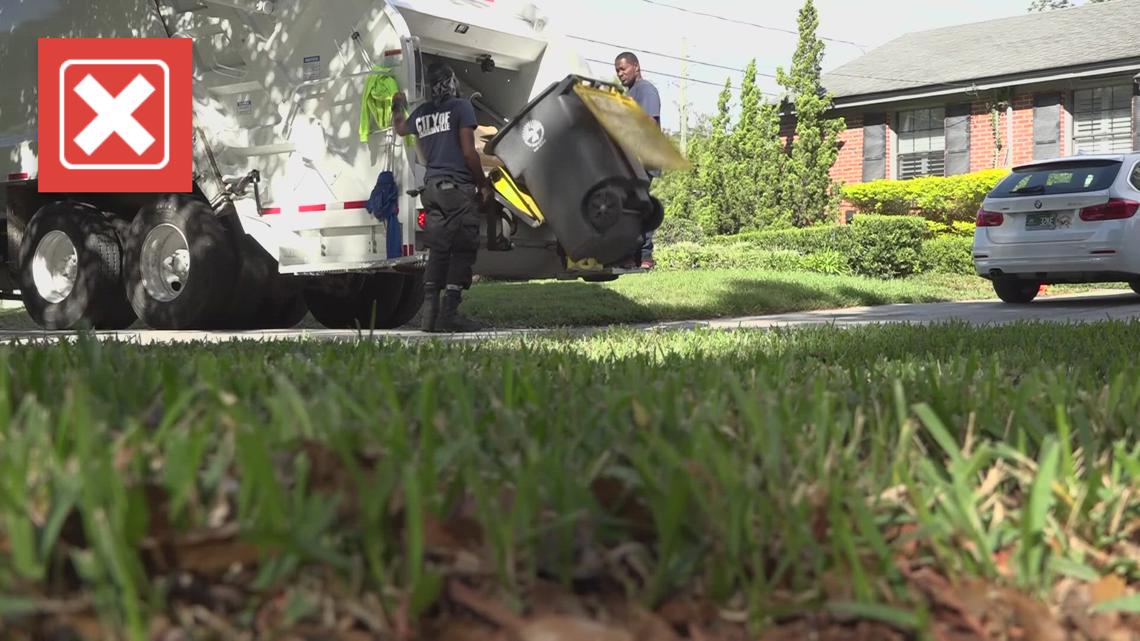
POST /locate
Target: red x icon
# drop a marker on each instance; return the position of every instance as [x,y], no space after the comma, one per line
[115,115]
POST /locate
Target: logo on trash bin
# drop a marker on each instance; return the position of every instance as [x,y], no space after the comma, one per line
[534,134]
[115,114]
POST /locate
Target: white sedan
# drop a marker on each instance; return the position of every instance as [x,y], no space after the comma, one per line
[1068,220]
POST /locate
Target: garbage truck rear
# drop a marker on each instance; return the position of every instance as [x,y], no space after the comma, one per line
[290,133]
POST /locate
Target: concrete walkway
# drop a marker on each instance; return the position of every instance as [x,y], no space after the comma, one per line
[1078,308]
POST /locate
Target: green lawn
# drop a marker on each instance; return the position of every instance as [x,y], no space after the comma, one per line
[689,295]
[702,295]
[911,478]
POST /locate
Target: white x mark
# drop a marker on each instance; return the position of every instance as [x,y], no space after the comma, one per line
[114,115]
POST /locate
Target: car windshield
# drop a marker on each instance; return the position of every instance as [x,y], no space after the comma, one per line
[1058,178]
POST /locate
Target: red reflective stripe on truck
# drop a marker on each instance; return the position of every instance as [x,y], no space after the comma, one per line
[318,207]
[18,176]
[394,52]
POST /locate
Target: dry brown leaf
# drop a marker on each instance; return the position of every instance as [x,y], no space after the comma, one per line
[1110,587]
[564,628]
[824,629]
[941,593]
[459,533]
[615,497]
[460,630]
[548,598]
[647,626]
[1034,618]
[213,555]
[311,632]
[683,612]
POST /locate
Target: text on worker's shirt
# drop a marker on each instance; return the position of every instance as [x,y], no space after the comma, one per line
[432,124]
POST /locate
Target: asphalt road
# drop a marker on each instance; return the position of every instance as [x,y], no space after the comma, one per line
[1081,308]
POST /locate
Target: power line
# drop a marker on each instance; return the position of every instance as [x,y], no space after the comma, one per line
[714,16]
[669,56]
[676,77]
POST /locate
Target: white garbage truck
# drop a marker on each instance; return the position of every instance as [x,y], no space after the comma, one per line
[287,150]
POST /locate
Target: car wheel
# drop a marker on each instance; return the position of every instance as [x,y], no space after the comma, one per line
[1016,291]
[71,270]
[180,265]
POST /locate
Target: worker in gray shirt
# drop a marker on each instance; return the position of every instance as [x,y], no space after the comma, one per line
[628,69]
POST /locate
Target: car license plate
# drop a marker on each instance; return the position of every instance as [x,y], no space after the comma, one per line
[1039,222]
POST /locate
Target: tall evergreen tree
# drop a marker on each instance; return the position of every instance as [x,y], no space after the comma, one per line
[809,193]
[757,161]
[713,173]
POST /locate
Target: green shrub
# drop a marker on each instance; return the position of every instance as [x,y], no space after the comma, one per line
[873,245]
[887,246]
[828,262]
[948,255]
[958,229]
[805,240]
[676,229]
[682,256]
[944,199]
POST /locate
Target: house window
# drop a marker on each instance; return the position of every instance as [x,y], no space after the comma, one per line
[1102,120]
[922,143]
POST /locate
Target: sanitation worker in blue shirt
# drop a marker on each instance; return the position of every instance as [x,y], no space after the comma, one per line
[628,69]
[455,187]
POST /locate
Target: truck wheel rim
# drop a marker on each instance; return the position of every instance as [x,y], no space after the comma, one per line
[55,266]
[165,263]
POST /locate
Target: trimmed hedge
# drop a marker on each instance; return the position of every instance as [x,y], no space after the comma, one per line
[949,255]
[832,263]
[872,245]
[887,246]
[936,198]
[958,228]
[683,256]
[805,240]
[878,246]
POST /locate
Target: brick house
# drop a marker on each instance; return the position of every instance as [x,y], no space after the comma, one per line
[991,94]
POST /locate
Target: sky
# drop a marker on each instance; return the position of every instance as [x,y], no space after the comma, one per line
[645,26]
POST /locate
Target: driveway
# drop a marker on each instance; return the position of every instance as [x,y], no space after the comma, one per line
[1074,308]
[1079,308]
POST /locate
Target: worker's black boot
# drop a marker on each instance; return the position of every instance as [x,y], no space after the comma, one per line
[450,320]
[430,308]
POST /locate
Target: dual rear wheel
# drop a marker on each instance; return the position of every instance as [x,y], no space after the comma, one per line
[178,266]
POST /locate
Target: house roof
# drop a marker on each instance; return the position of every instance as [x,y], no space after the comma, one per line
[1028,45]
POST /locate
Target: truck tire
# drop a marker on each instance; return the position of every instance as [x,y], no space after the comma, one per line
[180,265]
[282,313]
[411,299]
[71,270]
[357,301]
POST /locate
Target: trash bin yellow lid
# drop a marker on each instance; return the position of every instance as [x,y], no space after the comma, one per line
[627,123]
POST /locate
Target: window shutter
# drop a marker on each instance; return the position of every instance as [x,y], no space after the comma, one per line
[874,147]
[1046,126]
[958,139]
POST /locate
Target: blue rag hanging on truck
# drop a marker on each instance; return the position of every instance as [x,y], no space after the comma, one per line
[384,204]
